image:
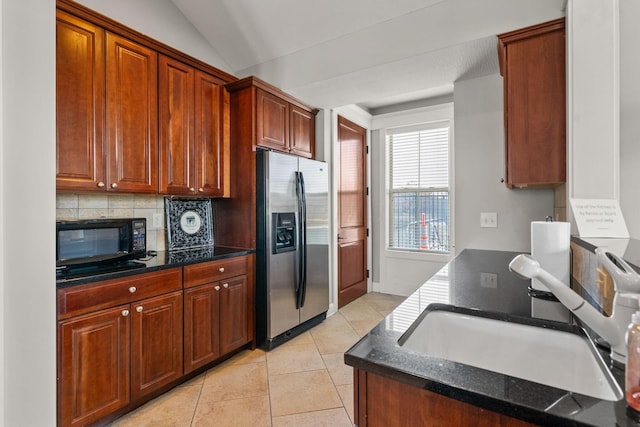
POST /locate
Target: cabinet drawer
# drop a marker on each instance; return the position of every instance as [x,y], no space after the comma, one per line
[94,296]
[212,271]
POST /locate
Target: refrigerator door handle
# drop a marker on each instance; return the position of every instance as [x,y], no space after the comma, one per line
[299,271]
[303,245]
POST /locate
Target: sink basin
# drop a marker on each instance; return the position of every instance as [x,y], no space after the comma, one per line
[544,352]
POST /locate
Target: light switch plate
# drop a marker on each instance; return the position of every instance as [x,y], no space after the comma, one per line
[489,219]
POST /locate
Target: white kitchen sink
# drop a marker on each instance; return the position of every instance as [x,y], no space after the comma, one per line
[566,359]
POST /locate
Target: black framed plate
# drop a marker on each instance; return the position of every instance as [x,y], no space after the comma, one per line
[189,223]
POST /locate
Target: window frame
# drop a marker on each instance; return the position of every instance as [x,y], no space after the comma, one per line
[388,214]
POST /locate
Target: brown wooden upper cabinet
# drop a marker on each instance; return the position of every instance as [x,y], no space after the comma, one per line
[194,137]
[282,122]
[80,81]
[106,110]
[532,63]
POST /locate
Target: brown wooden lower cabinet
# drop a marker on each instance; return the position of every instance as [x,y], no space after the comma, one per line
[123,341]
[217,316]
[201,326]
[380,401]
[156,343]
[234,317]
[93,365]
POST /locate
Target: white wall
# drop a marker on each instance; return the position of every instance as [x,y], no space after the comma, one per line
[162,21]
[27,215]
[630,115]
[479,166]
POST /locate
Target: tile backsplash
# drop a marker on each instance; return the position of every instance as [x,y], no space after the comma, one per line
[70,206]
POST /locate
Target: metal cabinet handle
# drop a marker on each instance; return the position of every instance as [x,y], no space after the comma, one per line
[139,309]
[221,269]
[125,313]
[100,184]
[217,288]
[133,289]
[225,285]
[193,190]
[114,185]
[201,190]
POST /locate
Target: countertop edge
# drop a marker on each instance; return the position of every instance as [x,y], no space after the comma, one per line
[151,265]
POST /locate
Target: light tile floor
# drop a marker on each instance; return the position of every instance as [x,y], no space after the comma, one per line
[301,383]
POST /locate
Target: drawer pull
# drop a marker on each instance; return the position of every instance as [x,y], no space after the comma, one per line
[221,269]
[125,313]
[193,190]
[139,309]
[100,184]
[114,185]
[133,289]
[217,288]
[225,285]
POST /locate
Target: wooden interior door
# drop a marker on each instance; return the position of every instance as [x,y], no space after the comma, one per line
[352,212]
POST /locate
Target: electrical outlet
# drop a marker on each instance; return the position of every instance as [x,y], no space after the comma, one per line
[489,219]
[488,280]
[157,220]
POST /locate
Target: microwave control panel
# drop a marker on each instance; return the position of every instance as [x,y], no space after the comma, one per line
[139,235]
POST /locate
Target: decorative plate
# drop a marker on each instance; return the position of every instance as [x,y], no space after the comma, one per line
[189,223]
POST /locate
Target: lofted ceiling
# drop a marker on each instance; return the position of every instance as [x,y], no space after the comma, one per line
[373,53]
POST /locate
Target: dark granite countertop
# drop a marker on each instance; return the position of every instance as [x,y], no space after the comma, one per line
[162,260]
[459,284]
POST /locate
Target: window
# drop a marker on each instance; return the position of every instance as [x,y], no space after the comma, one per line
[419,188]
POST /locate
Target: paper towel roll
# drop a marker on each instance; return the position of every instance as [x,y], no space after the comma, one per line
[550,246]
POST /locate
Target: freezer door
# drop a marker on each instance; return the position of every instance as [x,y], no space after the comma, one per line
[316,182]
[282,313]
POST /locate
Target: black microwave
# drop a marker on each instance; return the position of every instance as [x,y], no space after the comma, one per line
[93,242]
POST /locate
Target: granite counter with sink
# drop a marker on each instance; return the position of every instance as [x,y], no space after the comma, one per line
[459,284]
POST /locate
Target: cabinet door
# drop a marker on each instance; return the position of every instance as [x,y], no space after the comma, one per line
[131,116]
[535,145]
[80,81]
[93,365]
[156,343]
[272,121]
[234,316]
[201,326]
[302,137]
[211,136]
[176,124]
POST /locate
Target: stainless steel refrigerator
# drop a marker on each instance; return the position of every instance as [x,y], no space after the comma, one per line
[292,264]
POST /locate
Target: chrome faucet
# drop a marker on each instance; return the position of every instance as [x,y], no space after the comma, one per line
[625,300]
